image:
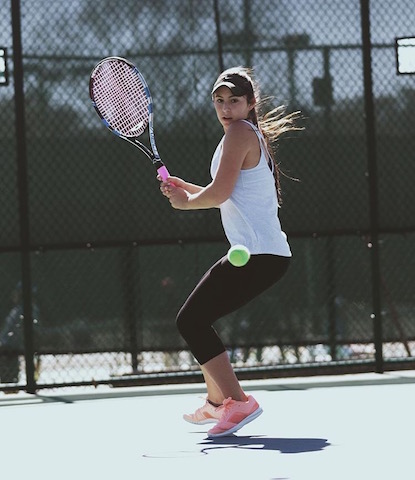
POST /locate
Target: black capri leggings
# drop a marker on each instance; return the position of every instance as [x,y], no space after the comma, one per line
[222,290]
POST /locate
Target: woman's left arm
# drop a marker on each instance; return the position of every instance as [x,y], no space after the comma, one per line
[236,146]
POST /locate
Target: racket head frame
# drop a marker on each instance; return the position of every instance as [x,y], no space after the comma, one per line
[152,153]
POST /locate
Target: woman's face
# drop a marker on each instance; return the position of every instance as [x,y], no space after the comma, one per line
[230,108]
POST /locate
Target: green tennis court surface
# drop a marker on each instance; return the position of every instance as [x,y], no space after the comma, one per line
[344,427]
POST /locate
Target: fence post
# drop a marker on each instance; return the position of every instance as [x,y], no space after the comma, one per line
[218,35]
[23,192]
[129,287]
[373,183]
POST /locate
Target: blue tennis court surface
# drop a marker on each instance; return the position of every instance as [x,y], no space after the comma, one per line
[344,427]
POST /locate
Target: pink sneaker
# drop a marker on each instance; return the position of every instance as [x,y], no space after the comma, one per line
[206,414]
[234,415]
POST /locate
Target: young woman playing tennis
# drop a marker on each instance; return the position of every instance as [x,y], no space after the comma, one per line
[245,187]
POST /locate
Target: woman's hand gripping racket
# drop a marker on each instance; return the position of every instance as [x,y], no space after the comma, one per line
[122,99]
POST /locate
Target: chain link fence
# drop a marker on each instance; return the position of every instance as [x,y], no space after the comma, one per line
[96,256]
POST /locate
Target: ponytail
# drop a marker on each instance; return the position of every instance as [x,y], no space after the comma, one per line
[272,125]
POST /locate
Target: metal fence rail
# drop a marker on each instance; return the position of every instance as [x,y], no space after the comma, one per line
[94,264]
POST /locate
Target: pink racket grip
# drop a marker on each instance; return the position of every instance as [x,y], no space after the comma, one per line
[163,172]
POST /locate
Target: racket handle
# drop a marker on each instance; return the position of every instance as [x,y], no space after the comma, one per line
[163,172]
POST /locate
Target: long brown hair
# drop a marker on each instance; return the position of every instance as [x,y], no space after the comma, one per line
[271,124]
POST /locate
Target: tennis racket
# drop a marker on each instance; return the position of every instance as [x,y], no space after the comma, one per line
[121,97]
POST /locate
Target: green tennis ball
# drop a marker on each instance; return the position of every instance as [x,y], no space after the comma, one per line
[238,255]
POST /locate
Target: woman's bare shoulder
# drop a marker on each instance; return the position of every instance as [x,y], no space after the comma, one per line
[240,130]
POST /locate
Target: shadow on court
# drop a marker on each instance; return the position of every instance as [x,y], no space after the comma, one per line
[283,445]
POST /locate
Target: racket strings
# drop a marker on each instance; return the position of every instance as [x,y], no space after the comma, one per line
[120,96]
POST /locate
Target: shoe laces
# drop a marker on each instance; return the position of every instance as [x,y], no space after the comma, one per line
[227,403]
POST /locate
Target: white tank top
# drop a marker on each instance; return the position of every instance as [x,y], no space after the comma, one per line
[250,215]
